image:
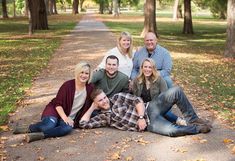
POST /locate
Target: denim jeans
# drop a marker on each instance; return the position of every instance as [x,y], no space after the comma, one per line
[169,81]
[162,104]
[51,127]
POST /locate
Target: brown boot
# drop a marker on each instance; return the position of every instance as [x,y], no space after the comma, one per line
[34,136]
[200,121]
[21,129]
[203,128]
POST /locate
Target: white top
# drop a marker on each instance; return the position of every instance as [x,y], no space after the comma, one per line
[78,102]
[125,63]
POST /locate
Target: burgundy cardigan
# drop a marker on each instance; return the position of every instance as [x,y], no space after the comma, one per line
[64,98]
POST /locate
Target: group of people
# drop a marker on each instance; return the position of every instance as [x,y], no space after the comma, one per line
[133,93]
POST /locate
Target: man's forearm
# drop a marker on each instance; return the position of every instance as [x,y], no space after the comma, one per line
[87,115]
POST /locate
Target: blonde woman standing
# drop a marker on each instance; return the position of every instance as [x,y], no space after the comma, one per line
[123,52]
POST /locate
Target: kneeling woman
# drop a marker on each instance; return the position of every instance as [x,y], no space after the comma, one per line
[63,113]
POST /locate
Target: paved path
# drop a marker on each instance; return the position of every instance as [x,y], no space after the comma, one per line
[89,41]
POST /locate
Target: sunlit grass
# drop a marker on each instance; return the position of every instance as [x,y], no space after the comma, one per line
[198,59]
[22,57]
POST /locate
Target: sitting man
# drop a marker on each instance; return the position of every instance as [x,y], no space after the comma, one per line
[110,80]
[159,54]
[128,112]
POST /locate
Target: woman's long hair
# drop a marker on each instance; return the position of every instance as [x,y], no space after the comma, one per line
[128,35]
[155,75]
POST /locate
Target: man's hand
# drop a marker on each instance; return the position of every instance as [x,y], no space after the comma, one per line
[142,124]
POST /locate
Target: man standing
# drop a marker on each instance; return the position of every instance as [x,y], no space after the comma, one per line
[110,80]
[160,55]
[128,112]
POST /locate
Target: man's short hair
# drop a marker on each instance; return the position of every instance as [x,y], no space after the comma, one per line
[112,57]
[95,93]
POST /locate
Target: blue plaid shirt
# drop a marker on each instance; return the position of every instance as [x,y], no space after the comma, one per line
[160,55]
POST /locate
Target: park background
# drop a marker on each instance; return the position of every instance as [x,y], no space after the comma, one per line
[200,64]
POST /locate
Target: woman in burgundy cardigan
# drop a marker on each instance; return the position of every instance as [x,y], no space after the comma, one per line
[63,113]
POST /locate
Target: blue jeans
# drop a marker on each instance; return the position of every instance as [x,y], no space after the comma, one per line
[51,127]
[162,104]
[169,81]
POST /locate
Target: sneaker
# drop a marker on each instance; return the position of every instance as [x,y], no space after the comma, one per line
[203,128]
[199,121]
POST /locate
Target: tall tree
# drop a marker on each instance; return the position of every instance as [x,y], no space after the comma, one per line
[81,5]
[38,14]
[188,24]
[175,10]
[115,8]
[150,24]
[230,42]
[4,9]
[54,7]
[75,6]
[26,9]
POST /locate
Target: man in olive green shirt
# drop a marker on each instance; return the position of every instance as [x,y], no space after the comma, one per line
[110,80]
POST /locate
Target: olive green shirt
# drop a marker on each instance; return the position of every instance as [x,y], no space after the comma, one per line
[110,86]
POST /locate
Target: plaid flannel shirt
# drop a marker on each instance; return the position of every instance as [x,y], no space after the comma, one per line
[122,115]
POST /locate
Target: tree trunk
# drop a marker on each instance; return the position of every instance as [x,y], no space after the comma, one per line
[81,5]
[4,9]
[230,42]
[115,8]
[26,8]
[179,11]
[14,8]
[101,9]
[188,24]
[149,17]
[75,6]
[48,7]
[37,9]
[54,6]
[175,10]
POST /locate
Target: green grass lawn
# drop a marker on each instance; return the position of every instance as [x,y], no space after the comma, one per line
[198,59]
[23,57]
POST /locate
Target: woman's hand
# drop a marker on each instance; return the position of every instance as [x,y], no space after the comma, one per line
[69,121]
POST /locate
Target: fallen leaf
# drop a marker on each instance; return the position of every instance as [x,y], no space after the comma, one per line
[5,128]
[72,141]
[233,150]
[41,158]
[203,141]
[116,156]
[142,141]
[228,141]
[4,138]
[98,132]
[129,158]
[14,145]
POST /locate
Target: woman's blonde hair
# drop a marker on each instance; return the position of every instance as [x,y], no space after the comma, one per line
[128,35]
[154,77]
[80,67]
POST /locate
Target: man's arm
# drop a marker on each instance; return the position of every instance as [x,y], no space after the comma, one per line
[100,120]
[140,108]
[135,69]
[86,117]
[167,64]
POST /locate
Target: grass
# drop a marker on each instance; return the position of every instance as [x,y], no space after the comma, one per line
[23,57]
[198,59]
